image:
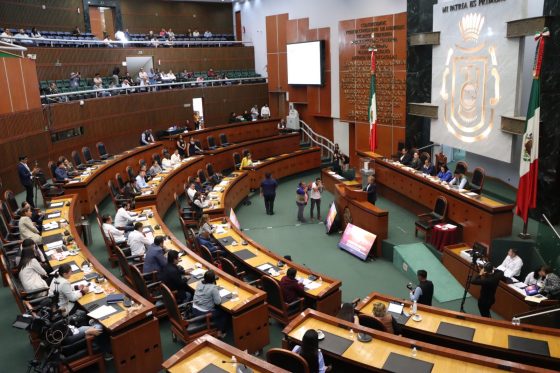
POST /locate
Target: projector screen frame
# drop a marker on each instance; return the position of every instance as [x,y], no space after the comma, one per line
[322,61]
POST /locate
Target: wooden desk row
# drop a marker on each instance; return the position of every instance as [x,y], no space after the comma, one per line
[490,336]
[235,132]
[91,186]
[208,352]
[342,347]
[134,331]
[249,311]
[353,207]
[482,219]
[325,294]
[509,302]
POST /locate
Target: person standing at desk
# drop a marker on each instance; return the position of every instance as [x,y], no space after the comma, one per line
[26,178]
[181,146]
[193,149]
[488,279]
[424,292]
[371,189]
[268,191]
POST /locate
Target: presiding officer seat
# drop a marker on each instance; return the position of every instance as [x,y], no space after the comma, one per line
[429,220]
[477,180]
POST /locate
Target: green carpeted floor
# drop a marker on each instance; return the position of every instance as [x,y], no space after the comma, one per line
[307,244]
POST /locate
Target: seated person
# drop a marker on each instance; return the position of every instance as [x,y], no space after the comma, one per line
[459,180]
[416,162]
[191,192]
[175,157]
[28,229]
[204,239]
[68,294]
[428,167]
[551,285]
[232,117]
[347,313]
[60,172]
[137,240]
[39,254]
[166,162]
[30,272]
[444,174]
[173,276]
[155,256]
[291,287]
[205,225]
[69,166]
[206,298]
[130,191]
[405,157]
[198,186]
[215,179]
[246,162]
[109,229]
[345,162]
[310,351]
[141,180]
[154,169]
[37,216]
[534,278]
[381,314]
[193,149]
[511,266]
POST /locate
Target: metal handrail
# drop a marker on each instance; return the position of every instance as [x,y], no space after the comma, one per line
[122,44]
[9,48]
[317,139]
[136,88]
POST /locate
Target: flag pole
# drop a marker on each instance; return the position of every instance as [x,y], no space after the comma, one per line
[525,235]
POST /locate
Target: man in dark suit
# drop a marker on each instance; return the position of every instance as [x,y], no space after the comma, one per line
[26,178]
[268,191]
[488,279]
[371,189]
[405,157]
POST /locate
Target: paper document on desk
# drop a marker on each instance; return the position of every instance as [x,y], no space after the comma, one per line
[312,285]
[224,293]
[55,244]
[56,204]
[101,312]
[157,178]
[147,192]
[53,215]
[51,225]
[535,298]
[141,218]
[264,267]
[220,230]
[198,273]
[472,194]
[338,177]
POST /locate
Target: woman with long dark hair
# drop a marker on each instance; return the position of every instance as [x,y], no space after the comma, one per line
[68,295]
[31,273]
[309,350]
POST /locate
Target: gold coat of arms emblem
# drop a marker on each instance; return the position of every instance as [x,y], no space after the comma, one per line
[470,87]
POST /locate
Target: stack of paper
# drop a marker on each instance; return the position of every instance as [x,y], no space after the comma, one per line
[198,273]
[54,244]
[101,312]
[51,225]
[53,215]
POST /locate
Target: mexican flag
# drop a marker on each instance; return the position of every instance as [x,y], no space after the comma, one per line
[372,107]
[529,164]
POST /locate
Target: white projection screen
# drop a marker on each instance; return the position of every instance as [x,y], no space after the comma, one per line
[305,63]
[475,75]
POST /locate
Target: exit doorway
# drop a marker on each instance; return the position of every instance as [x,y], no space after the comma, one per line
[102,21]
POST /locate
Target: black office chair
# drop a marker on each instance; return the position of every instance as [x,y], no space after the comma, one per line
[102,150]
[236,161]
[78,161]
[477,180]
[119,182]
[224,140]
[211,142]
[462,167]
[371,322]
[131,174]
[48,190]
[287,360]
[88,157]
[199,144]
[429,220]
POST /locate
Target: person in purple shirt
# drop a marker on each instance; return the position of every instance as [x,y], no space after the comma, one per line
[444,174]
[155,259]
[301,200]
[268,191]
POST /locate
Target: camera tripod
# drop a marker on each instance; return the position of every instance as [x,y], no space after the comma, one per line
[51,362]
[472,269]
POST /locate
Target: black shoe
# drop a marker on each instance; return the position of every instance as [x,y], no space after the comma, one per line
[271,213]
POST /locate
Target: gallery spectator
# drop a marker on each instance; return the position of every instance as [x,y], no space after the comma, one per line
[36,34]
[6,34]
[163,33]
[255,112]
[170,35]
[76,31]
[22,37]
[195,33]
[143,77]
[207,34]
[75,79]
[211,73]
[265,112]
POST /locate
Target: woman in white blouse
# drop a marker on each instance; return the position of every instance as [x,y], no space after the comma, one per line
[31,273]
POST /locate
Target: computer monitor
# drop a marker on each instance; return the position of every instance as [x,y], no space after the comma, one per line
[357,241]
[233,219]
[331,217]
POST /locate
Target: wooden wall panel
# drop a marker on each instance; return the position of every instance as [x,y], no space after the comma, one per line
[58,15]
[5,102]
[31,83]
[58,63]
[19,85]
[116,121]
[140,17]
[16,84]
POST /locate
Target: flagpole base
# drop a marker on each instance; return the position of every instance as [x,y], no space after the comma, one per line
[524,235]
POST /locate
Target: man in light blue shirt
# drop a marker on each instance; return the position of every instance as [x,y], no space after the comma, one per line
[141,180]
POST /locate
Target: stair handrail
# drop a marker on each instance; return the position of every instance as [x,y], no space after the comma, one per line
[319,140]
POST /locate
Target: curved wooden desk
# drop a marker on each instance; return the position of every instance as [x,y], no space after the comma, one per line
[134,332]
[490,336]
[509,302]
[284,165]
[91,186]
[207,350]
[360,357]
[352,205]
[235,132]
[326,297]
[249,311]
[482,219]
[229,193]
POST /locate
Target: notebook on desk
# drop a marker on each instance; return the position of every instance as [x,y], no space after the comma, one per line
[455,331]
[400,363]
[531,346]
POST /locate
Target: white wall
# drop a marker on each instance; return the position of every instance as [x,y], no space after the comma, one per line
[321,13]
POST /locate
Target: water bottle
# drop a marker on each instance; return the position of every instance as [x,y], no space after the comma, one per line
[234,362]
[352,334]
[414,308]
[414,351]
